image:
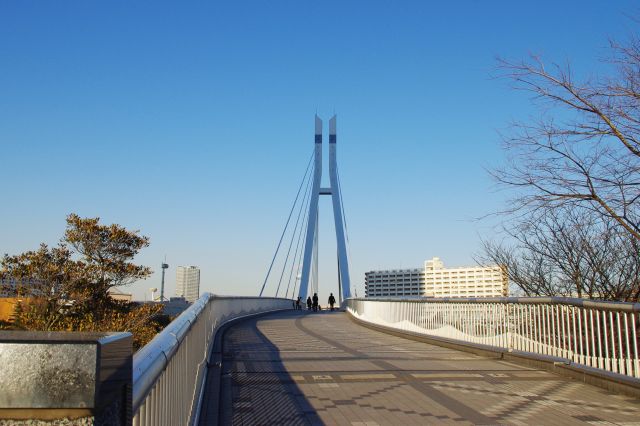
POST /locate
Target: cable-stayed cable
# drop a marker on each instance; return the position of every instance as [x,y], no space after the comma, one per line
[344,216]
[298,257]
[293,235]
[303,225]
[286,225]
[346,229]
[315,253]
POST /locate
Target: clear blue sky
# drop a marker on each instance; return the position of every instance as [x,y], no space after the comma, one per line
[193,121]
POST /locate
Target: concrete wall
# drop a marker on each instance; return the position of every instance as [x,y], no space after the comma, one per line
[65,378]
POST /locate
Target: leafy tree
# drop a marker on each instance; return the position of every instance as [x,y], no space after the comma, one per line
[144,321]
[105,254]
[67,286]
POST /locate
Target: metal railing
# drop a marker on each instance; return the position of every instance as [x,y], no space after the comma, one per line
[169,372]
[596,334]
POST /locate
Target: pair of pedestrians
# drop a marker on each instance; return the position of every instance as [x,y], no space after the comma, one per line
[312,303]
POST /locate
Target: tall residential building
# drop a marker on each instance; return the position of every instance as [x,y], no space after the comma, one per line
[188,283]
[474,281]
[437,281]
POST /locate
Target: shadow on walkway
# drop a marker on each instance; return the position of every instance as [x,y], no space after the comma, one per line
[301,368]
[256,388]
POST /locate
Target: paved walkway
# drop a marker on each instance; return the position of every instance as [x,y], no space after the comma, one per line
[299,368]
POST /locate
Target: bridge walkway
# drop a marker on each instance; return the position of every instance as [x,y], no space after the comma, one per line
[322,368]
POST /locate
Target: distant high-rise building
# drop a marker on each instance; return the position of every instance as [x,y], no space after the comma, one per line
[188,283]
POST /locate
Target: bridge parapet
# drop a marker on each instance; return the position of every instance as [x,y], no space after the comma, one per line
[65,378]
[169,372]
[592,335]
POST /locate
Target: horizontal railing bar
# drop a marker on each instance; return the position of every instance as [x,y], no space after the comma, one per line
[218,296]
[177,357]
[150,360]
[582,303]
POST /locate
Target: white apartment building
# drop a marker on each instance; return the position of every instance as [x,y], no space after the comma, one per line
[437,281]
[475,281]
[188,283]
[394,283]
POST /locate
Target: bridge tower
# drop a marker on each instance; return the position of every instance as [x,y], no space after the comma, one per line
[312,226]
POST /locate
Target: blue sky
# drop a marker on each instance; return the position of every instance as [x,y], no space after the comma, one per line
[193,122]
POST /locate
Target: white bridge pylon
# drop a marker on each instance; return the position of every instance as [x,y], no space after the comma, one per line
[312,228]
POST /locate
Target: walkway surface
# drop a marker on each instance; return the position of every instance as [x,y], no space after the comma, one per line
[301,368]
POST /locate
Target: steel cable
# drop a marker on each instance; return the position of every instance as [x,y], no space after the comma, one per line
[286,225]
[293,235]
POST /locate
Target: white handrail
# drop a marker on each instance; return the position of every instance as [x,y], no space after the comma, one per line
[168,372]
[596,334]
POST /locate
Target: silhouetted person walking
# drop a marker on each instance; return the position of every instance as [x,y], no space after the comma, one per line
[332,301]
[309,303]
[298,307]
[315,302]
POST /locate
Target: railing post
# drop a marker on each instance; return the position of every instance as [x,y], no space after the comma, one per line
[509,328]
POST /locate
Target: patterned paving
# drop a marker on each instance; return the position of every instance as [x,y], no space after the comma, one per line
[300,368]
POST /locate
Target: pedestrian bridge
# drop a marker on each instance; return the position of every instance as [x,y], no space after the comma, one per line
[234,360]
[299,367]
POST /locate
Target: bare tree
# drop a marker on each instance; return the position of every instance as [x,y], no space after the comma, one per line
[569,252]
[584,150]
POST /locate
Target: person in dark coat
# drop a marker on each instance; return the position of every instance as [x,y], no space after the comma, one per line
[309,303]
[298,307]
[332,301]
[315,302]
